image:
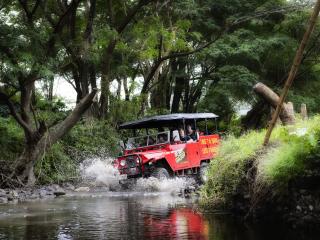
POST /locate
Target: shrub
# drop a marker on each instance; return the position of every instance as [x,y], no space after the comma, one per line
[11,139]
[56,166]
[93,138]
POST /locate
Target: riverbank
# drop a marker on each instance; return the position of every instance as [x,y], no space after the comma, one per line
[35,193]
[180,187]
[280,181]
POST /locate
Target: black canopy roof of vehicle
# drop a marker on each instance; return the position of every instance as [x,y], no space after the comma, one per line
[166,120]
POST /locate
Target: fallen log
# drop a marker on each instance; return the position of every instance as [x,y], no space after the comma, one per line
[287,112]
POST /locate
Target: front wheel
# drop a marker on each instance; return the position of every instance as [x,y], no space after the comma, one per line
[203,172]
[160,173]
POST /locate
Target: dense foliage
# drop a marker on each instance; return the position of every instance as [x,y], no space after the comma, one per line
[131,58]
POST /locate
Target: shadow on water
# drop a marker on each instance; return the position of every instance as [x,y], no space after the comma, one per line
[134,215]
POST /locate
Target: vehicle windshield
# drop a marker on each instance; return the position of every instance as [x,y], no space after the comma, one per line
[148,140]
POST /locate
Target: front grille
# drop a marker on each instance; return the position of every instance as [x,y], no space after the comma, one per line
[131,162]
[132,166]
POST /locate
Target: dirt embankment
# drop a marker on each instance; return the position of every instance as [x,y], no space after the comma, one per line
[297,204]
[182,187]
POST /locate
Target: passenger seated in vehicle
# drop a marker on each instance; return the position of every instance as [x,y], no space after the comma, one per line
[151,141]
[162,138]
[184,137]
[143,141]
[191,133]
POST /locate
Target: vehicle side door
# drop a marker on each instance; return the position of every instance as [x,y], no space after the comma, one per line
[208,146]
[192,154]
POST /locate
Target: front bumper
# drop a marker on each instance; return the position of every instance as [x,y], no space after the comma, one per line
[130,171]
[127,183]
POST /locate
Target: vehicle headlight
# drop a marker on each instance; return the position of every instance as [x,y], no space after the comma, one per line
[122,162]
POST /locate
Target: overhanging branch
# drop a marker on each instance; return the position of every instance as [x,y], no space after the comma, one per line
[63,127]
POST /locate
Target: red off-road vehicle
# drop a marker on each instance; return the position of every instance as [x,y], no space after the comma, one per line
[163,153]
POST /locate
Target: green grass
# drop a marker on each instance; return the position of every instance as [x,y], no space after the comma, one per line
[296,144]
[277,164]
[228,169]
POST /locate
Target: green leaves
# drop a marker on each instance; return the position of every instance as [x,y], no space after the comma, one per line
[237,81]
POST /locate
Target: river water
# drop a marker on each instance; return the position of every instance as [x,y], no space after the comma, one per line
[126,215]
[150,210]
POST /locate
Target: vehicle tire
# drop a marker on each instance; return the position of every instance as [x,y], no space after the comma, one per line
[203,172]
[160,173]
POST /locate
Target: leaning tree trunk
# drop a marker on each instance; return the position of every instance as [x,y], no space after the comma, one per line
[44,138]
[287,113]
[24,170]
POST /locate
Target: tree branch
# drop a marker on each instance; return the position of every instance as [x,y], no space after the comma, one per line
[23,124]
[3,4]
[34,9]
[63,127]
[58,26]
[158,62]
[91,15]
[132,14]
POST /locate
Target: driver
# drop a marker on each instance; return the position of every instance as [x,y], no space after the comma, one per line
[191,133]
[184,137]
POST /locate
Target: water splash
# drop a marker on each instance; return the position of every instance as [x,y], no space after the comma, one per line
[171,185]
[100,172]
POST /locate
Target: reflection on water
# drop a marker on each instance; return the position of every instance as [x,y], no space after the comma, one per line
[179,223]
[124,216]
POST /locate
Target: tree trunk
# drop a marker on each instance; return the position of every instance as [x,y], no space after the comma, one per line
[42,141]
[168,93]
[158,97]
[94,108]
[177,94]
[303,111]
[143,105]
[104,98]
[24,170]
[287,114]
[105,79]
[84,76]
[179,72]
[119,88]
[50,89]
[126,89]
